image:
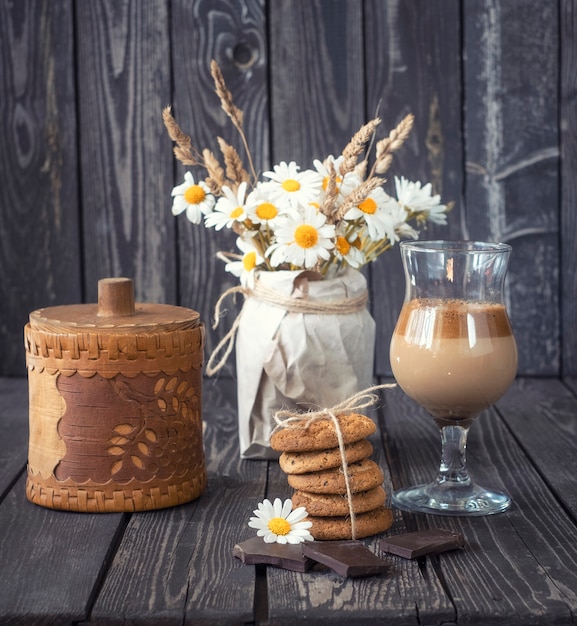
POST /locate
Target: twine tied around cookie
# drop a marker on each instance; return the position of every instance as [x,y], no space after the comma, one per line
[279,300]
[360,400]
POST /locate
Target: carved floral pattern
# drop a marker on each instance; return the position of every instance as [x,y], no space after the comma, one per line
[123,428]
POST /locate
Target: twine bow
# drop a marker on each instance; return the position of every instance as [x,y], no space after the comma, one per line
[360,400]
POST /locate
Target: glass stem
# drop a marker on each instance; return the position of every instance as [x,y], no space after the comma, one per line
[453,467]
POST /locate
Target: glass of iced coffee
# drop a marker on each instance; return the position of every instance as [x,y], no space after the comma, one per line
[454,353]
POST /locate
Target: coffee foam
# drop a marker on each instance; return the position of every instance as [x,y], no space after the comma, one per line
[453,319]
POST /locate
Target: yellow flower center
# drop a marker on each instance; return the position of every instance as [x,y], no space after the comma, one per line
[306,236]
[279,526]
[266,211]
[249,261]
[338,180]
[194,194]
[236,212]
[368,206]
[342,246]
[291,185]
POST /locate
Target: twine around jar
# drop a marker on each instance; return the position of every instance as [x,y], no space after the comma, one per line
[360,400]
[279,300]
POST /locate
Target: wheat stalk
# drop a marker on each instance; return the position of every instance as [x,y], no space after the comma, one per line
[234,168]
[222,91]
[184,150]
[385,147]
[233,112]
[356,145]
[216,179]
[331,193]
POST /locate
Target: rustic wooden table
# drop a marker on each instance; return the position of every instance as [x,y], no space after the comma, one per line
[175,566]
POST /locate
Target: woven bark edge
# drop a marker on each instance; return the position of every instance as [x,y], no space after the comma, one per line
[111,354]
[133,496]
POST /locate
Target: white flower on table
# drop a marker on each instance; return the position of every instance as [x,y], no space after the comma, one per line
[194,198]
[278,523]
[302,239]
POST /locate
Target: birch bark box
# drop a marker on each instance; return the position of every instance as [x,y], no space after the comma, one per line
[115,404]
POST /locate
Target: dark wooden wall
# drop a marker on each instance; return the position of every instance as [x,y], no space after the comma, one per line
[86,168]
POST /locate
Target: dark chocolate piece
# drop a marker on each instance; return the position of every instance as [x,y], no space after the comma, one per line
[255,551]
[347,558]
[422,542]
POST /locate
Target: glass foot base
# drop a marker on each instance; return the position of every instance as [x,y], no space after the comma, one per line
[466,500]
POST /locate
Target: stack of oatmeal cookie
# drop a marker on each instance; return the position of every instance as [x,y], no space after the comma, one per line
[312,460]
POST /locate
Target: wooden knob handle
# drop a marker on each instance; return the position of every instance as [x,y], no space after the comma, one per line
[115,297]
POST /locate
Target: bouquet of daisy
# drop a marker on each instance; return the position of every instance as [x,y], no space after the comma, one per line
[304,335]
[337,214]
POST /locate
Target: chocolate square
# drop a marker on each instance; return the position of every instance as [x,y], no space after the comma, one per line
[422,542]
[347,558]
[255,551]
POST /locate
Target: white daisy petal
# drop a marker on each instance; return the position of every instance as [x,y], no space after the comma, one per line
[286,509]
[278,507]
[297,515]
[420,200]
[267,508]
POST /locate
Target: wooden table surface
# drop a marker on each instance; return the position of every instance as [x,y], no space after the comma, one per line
[175,566]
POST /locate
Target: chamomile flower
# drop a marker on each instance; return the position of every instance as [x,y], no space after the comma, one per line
[229,208]
[246,264]
[290,186]
[194,198]
[372,211]
[301,239]
[345,184]
[260,208]
[348,249]
[276,522]
[420,199]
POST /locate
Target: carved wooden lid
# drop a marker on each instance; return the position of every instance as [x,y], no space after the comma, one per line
[114,336]
[115,312]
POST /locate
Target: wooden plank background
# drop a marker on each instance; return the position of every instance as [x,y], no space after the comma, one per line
[86,168]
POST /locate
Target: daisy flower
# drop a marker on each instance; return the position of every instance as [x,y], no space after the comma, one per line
[194,198]
[288,185]
[301,239]
[260,209]
[277,523]
[419,199]
[348,249]
[229,208]
[345,184]
[244,268]
[372,211]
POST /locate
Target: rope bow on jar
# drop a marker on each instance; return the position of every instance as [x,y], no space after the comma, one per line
[353,404]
